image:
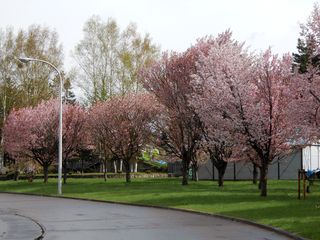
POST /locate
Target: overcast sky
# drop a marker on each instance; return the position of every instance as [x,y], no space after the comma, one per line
[172,24]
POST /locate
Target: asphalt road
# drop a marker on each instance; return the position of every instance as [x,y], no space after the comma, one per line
[30,217]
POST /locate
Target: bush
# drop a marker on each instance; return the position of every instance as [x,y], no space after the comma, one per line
[4,171]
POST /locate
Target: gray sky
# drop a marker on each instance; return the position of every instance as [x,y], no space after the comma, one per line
[173,24]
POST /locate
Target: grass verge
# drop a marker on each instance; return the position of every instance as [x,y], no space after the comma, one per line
[239,199]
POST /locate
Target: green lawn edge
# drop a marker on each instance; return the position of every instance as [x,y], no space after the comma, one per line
[240,199]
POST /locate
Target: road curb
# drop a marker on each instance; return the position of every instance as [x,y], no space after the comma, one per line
[234,219]
[43,231]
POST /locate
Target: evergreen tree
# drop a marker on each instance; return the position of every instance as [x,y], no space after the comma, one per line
[306,55]
[308,44]
[68,96]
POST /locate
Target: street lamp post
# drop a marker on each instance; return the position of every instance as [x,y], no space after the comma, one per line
[26,60]
[4,120]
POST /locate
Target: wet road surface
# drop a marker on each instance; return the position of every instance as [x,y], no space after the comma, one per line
[30,217]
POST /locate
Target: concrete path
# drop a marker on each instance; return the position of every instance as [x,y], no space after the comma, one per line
[21,217]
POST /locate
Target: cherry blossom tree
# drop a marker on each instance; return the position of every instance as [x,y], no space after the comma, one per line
[305,87]
[179,128]
[265,124]
[219,136]
[122,126]
[304,109]
[249,94]
[32,133]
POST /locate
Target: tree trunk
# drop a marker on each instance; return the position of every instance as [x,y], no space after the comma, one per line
[221,171]
[220,176]
[260,176]
[195,171]
[128,171]
[255,174]
[185,171]
[263,180]
[221,165]
[30,178]
[105,169]
[82,165]
[213,178]
[45,173]
[128,177]
[16,175]
[65,178]
[64,172]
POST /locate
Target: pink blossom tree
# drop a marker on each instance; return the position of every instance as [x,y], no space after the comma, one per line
[122,126]
[265,124]
[249,94]
[304,109]
[179,128]
[32,133]
[305,87]
[219,136]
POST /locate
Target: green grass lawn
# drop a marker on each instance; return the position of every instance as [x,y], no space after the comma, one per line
[240,199]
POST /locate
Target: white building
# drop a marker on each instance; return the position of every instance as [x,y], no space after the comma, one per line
[307,158]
